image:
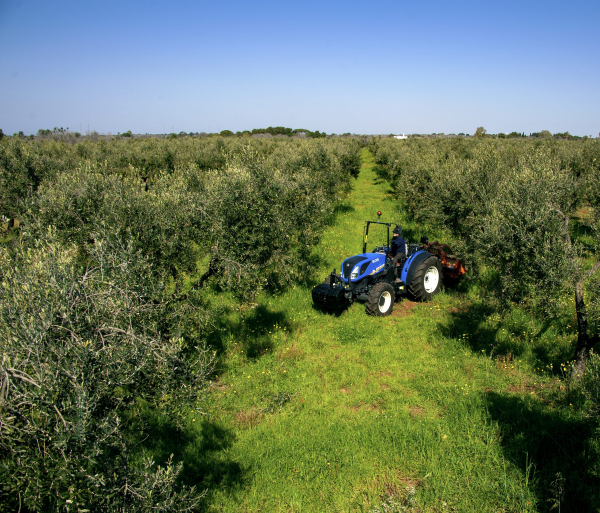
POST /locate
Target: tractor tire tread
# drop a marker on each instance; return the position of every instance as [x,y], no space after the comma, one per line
[416,288]
[372,305]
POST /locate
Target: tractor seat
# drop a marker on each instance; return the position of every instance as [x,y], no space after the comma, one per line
[412,249]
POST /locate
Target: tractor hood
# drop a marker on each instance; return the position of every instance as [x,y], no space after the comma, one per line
[360,266]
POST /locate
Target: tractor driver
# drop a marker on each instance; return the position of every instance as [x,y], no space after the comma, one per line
[398,249]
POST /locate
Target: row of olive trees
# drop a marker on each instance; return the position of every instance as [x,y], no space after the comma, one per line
[25,164]
[93,328]
[510,204]
[258,215]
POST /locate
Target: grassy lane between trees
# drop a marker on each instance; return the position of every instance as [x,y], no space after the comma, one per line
[419,411]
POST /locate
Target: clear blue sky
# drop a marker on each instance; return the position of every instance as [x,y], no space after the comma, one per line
[338,66]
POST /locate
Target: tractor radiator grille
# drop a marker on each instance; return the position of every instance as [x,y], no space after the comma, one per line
[350,264]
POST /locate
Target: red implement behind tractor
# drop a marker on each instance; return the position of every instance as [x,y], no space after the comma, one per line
[452,267]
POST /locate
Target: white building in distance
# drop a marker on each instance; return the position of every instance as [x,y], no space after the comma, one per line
[400,136]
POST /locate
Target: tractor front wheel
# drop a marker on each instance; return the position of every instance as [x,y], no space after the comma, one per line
[427,279]
[381,300]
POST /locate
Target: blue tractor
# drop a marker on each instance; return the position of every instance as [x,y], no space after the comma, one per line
[378,280]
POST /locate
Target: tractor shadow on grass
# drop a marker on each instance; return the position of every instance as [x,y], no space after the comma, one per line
[557,451]
[199,447]
[331,313]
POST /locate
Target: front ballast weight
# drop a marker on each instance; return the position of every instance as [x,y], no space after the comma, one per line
[378,280]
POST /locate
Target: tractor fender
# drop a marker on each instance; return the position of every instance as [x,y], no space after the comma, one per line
[411,264]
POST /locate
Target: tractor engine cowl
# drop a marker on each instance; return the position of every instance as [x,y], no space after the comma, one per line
[356,268]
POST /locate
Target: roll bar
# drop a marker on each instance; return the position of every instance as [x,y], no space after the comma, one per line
[366,232]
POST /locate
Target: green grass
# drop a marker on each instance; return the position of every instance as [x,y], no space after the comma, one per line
[314,412]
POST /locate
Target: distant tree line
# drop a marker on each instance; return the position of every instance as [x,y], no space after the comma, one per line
[544,134]
[274,131]
[482,133]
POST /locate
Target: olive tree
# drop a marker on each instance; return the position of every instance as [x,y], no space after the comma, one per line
[79,348]
[509,203]
[523,232]
[480,132]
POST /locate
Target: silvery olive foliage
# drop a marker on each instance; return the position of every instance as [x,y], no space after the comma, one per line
[97,326]
[161,221]
[510,206]
[508,202]
[258,213]
[27,164]
[80,348]
[24,165]
[523,232]
[265,216]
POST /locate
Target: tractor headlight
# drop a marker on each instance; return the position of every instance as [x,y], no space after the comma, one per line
[354,273]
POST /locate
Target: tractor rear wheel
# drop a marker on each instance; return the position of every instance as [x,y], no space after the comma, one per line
[381,300]
[427,279]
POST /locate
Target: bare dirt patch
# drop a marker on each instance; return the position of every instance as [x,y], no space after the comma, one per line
[356,407]
[461,309]
[403,309]
[346,391]
[248,418]
[393,484]
[521,389]
[532,389]
[378,405]
[385,387]
[217,386]
[584,212]
[416,411]
[407,480]
[292,352]
[468,370]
